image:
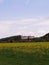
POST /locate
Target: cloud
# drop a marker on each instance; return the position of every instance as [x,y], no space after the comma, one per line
[43,23]
[4,27]
[29,26]
[42,32]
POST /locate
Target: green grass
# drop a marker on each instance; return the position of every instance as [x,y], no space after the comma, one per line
[24,53]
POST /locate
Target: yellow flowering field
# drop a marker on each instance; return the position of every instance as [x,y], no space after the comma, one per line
[25,53]
[26,47]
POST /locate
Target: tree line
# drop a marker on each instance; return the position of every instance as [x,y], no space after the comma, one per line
[18,38]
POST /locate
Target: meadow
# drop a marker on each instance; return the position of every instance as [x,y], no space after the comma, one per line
[31,53]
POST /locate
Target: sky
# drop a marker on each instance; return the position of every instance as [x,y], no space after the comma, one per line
[24,17]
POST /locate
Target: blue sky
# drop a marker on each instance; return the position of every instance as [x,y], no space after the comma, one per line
[25,17]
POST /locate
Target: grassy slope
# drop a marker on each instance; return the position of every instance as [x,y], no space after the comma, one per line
[24,53]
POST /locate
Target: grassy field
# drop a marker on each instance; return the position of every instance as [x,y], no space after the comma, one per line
[36,53]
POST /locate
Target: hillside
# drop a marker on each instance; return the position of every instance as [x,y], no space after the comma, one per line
[44,38]
[20,38]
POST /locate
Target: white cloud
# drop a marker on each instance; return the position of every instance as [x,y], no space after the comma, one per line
[30,26]
[42,32]
[4,27]
[42,22]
